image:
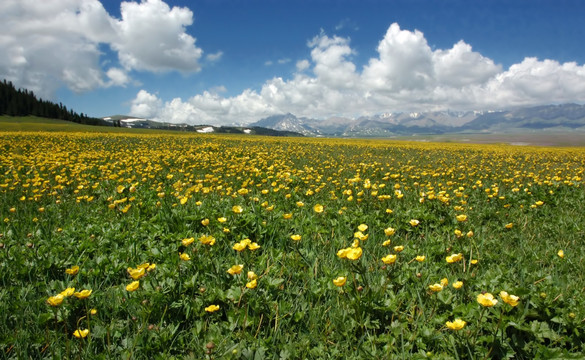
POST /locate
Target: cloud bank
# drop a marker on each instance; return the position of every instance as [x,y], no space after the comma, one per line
[406,75]
[48,44]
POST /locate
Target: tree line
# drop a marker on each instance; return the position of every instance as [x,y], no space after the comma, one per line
[19,102]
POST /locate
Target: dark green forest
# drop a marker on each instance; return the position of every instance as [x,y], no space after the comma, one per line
[19,102]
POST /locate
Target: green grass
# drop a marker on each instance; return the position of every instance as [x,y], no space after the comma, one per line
[107,202]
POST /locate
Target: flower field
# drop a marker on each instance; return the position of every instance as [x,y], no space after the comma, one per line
[144,246]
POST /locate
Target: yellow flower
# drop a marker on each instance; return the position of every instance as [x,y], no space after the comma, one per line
[389,259]
[361,236]
[444,281]
[420,258]
[398,248]
[561,254]
[354,253]
[389,211]
[287,215]
[509,225]
[457,324]
[318,208]
[414,222]
[474,261]
[486,300]
[205,222]
[81,333]
[511,300]
[469,233]
[436,287]
[151,267]
[207,240]
[185,257]
[72,270]
[252,284]
[187,241]
[389,231]
[458,233]
[295,237]
[387,242]
[363,227]
[252,275]
[300,204]
[55,300]
[454,258]
[342,253]
[133,286]
[237,209]
[222,219]
[212,308]
[68,292]
[240,246]
[82,294]
[236,269]
[457,284]
[461,218]
[340,281]
[253,246]
[136,273]
[93,311]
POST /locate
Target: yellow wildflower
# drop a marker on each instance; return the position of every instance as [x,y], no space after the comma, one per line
[354,253]
[185,257]
[55,300]
[414,222]
[68,292]
[83,294]
[389,231]
[363,227]
[457,284]
[561,254]
[456,324]
[436,287]
[237,209]
[235,269]
[486,300]
[252,284]
[389,259]
[420,258]
[81,333]
[187,241]
[340,281]
[212,308]
[511,300]
[133,286]
[295,237]
[72,270]
[461,218]
[454,258]
[318,208]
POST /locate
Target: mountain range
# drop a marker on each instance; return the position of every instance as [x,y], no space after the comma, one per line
[569,117]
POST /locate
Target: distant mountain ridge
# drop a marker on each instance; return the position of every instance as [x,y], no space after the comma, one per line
[565,116]
[140,123]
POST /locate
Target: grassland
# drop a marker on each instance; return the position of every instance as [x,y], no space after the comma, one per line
[150,245]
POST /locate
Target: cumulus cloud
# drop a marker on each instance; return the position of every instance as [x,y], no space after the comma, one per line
[48,44]
[405,75]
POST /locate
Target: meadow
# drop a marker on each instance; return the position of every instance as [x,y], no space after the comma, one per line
[160,246]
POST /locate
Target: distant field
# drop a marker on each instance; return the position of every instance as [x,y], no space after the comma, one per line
[560,138]
[33,123]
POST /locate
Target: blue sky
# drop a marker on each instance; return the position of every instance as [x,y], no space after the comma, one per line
[223,62]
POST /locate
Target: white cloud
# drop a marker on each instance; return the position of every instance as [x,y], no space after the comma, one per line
[214,57]
[48,44]
[151,36]
[303,65]
[145,105]
[406,75]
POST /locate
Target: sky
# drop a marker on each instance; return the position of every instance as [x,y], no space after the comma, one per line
[237,61]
